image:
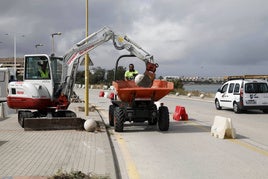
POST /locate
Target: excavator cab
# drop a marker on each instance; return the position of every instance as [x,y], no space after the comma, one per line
[46,68]
[36,67]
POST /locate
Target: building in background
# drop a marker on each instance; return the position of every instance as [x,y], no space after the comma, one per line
[9,63]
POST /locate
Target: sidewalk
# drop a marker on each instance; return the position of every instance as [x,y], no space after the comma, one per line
[44,153]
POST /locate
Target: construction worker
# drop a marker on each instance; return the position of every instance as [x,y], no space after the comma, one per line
[43,70]
[131,73]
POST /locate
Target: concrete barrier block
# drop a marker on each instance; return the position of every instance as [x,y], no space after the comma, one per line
[202,96]
[230,131]
[2,110]
[105,87]
[222,127]
[106,94]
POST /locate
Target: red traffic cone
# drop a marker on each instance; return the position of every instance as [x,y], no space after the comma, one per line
[101,94]
[180,114]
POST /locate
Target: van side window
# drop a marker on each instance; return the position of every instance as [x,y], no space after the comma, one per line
[236,89]
[231,88]
[224,88]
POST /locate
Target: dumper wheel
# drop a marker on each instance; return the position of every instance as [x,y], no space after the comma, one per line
[153,120]
[163,120]
[119,117]
[22,115]
[111,115]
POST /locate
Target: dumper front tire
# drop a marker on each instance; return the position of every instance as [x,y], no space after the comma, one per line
[111,115]
[119,118]
[163,120]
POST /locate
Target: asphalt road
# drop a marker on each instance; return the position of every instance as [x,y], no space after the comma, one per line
[188,150]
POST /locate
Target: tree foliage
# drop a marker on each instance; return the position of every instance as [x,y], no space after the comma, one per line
[100,75]
[80,77]
[177,83]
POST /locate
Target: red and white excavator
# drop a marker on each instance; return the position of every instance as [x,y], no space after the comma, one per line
[37,96]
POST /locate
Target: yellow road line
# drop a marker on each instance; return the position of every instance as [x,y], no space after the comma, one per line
[130,164]
[236,141]
[249,146]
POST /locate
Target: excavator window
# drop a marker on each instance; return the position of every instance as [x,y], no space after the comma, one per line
[36,67]
[56,70]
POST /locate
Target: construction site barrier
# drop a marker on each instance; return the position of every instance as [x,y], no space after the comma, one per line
[180,113]
[223,127]
[2,110]
[101,94]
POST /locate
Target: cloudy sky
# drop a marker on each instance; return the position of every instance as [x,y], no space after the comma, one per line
[186,37]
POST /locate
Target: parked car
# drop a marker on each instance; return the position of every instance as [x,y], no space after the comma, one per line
[243,94]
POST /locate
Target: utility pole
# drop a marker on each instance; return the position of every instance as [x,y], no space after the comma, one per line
[86,67]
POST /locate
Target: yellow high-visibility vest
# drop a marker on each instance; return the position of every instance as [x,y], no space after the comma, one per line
[130,75]
[44,74]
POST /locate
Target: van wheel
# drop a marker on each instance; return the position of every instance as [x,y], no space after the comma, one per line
[236,108]
[217,104]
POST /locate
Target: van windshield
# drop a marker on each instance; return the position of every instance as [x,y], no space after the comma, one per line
[256,88]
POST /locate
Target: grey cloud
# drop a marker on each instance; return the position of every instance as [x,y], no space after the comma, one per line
[207,36]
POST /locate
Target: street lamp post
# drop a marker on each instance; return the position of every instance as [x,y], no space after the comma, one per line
[15,57]
[15,54]
[52,35]
[38,45]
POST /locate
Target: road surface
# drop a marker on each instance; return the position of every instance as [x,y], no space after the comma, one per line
[188,150]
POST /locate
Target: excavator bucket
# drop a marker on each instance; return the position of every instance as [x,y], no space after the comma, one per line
[143,81]
[60,120]
[146,80]
[60,123]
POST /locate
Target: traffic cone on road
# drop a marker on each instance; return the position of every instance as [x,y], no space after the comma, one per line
[180,114]
[101,94]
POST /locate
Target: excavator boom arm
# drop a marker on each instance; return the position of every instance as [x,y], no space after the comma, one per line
[71,59]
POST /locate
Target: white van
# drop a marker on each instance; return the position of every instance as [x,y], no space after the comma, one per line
[243,94]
